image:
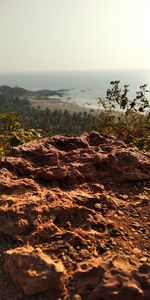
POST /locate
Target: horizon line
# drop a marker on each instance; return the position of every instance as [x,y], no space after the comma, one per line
[75,71]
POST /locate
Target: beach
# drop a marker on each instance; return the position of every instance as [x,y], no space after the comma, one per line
[54,103]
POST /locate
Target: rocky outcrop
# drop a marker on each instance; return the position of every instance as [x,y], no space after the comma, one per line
[74,220]
[115,277]
[33,270]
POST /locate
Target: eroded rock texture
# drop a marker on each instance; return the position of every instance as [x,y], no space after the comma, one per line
[33,270]
[74,220]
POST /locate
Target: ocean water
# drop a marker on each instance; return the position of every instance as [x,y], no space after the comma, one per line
[83,87]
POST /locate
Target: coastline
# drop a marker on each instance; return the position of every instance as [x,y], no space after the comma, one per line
[54,103]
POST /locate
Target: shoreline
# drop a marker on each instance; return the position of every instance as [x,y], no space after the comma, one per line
[54,103]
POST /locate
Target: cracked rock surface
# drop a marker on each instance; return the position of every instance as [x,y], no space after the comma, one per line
[74,220]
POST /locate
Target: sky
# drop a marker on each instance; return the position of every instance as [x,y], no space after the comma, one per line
[72,35]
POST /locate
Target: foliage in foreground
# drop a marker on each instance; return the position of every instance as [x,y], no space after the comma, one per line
[128,120]
[13,133]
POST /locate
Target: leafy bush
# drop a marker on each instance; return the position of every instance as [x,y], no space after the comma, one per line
[124,118]
[13,133]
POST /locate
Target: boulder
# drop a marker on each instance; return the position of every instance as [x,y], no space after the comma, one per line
[33,270]
[116,278]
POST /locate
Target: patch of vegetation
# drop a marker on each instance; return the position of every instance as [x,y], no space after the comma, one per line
[13,132]
[125,118]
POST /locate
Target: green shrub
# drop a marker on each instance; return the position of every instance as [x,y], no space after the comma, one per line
[13,132]
[124,118]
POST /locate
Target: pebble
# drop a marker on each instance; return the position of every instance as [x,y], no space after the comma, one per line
[135,224]
[76,297]
[136,251]
[95,253]
[120,213]
[142,230]
[78,247]
[144,259]
[121,228]
[115,216]
[98,205]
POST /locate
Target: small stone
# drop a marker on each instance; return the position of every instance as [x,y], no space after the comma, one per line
[121,228]
[115,216]
[78,247]
[136,251]
[76,297]
[142,229]
[98,206]
[95,253]
[144,259]
[120,213]
[135,224]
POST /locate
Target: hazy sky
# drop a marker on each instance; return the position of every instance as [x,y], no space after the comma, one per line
[44,35]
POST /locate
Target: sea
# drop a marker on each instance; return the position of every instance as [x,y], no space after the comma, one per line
[82,87]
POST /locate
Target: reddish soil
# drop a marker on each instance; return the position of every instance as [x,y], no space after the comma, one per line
[74,220]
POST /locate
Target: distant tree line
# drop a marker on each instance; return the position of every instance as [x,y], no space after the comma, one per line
[55,121]
[20,121]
